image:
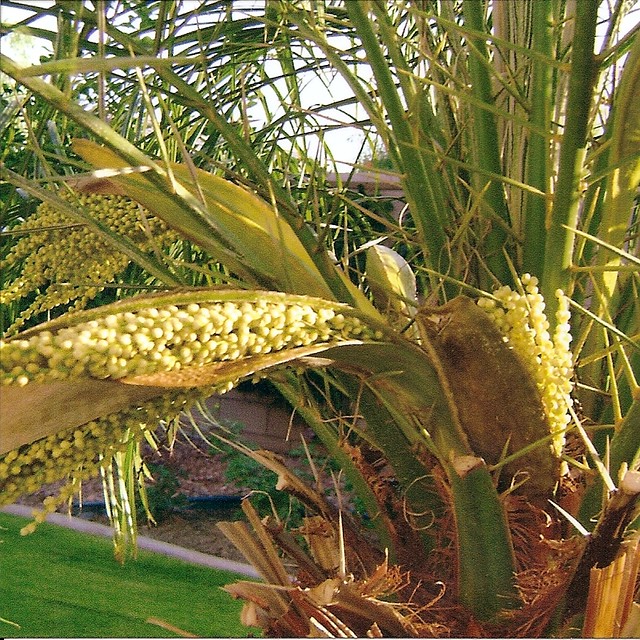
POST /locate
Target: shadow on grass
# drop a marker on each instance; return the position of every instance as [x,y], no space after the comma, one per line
[60,583]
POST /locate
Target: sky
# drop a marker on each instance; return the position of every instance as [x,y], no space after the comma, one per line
[344,145]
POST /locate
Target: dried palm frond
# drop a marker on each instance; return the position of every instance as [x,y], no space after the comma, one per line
[316,586]
[611,591]
[325,598]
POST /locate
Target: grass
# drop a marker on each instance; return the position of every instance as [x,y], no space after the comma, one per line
[60,583]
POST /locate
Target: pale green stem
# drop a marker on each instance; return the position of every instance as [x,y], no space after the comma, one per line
[419,113]
[556,273]
[538,155]
[485,554]
[422,197]
[486,145]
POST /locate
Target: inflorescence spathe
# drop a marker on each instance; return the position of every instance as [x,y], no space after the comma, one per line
[170,337]
[522,320]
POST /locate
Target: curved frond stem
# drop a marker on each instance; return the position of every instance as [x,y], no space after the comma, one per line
[566,202]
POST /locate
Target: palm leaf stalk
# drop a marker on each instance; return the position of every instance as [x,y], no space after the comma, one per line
[468,405]
[564,216]
[421,186]
[539,162]
[487,147]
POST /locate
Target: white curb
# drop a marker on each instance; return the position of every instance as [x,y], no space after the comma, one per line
[149,544]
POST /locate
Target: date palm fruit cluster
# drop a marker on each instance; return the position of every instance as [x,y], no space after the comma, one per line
[171,337]
[63,261]
[132,340]
[80,452]
[144,340]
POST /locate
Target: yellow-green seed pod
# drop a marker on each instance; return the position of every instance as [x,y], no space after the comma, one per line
[80,452]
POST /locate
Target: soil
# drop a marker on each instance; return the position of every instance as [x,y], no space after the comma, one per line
[198,472]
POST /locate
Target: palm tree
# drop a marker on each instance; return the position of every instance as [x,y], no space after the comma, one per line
[437,371]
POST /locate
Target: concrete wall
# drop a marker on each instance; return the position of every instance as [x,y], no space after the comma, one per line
[267,422]
[373,183]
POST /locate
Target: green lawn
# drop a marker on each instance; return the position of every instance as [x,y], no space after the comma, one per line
[60,583]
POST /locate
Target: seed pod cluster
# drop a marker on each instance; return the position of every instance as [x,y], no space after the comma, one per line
[64,261]
[170,337]
[522,320]
[80,452]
